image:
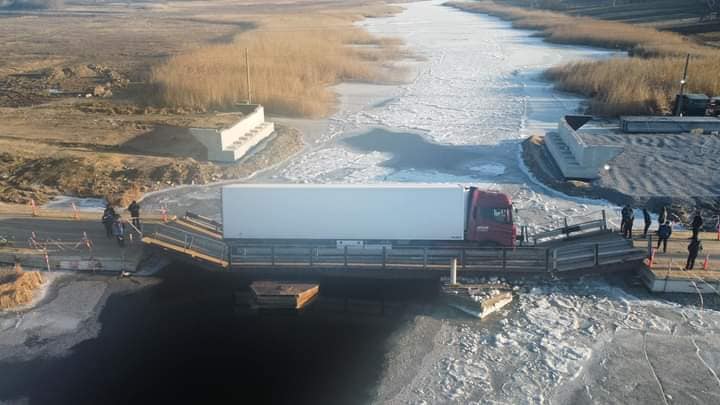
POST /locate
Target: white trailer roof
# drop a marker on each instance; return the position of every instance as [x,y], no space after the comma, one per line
[344,211]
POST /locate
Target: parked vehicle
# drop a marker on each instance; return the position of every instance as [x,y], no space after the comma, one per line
[363,215]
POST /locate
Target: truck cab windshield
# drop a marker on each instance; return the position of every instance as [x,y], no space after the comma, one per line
[499,215]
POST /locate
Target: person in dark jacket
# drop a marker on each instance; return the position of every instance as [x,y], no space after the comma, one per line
[134,209]
[108,218]
[118,230]
[694,248]
[663,235]
[648,221]
[628,219]
[696,225]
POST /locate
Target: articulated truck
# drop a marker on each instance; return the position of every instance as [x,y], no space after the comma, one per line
[366,215]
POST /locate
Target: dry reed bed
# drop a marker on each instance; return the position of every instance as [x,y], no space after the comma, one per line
[293,60]
[643,84]
[18,287]
[636,85]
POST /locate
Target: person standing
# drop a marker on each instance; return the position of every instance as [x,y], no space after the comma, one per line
[694,248]
[108,218]
[118,230]
[663,235]
[624,214]
[697,224]
[648,222]
[629,218]
[134,209]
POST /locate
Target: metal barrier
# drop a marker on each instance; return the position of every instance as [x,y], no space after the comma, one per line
[589,255]
[191,241]
[567,230]
[203,222]
[517,259]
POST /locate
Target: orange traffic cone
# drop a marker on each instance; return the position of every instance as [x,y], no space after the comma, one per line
[706,264]
[652,258]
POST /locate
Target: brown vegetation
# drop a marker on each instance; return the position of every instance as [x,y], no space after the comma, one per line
[636,85]
[643,84]
[18,287]
[292,63]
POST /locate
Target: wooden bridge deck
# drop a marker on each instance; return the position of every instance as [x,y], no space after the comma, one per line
[667,271]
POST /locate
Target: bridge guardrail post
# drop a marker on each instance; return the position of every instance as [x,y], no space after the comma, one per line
[310,256]
[597,254]
[555,259]
[384,257]
[504,259]
[604,219]
[345,253]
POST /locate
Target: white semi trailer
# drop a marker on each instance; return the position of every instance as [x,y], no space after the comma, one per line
[361,213]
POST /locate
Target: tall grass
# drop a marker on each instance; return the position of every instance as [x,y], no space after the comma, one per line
[645,83]
[292,63]
[636,85]
[566,29]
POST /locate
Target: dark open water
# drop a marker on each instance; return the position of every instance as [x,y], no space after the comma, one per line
[185,340]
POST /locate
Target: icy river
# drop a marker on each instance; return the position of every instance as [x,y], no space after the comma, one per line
[476,93]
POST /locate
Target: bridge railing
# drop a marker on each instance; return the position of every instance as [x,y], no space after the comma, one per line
[515,259]
[588,255]
[571,229]
[191,241]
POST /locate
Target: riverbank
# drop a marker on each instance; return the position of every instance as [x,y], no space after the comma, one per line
[101,121]
[645,83]
[640,176]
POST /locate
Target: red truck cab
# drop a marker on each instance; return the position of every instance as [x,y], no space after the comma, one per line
[489,218]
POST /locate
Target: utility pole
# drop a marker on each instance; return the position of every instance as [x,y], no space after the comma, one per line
[247,76]
[683,83]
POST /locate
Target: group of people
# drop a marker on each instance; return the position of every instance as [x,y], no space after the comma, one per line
[115,225]
[665,231]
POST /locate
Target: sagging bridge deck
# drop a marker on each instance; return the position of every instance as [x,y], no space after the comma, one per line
[579,247]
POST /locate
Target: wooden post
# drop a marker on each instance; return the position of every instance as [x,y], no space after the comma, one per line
[247,78]
[453,271]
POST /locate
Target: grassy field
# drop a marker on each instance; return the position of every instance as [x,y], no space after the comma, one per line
[643,84]
[292,63]
[90,94]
